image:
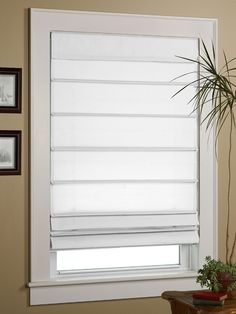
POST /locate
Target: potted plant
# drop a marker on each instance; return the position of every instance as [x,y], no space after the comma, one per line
[217,275]
[218,88]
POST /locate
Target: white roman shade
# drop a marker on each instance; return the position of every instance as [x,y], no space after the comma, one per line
[124,154]
[126,230]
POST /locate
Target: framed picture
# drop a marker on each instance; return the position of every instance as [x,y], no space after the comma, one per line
[10,90]
[10,152]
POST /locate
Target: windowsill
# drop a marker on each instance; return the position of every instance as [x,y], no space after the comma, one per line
[117,276]
[64,289]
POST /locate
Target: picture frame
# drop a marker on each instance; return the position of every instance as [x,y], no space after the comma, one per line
[10,90]
[10,152]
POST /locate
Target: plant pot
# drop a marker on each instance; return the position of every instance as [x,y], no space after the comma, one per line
[226,280]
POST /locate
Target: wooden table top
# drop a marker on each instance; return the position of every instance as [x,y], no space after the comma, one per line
[182,302]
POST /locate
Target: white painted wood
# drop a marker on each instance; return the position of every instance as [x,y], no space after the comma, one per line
[139,288]
[40,154]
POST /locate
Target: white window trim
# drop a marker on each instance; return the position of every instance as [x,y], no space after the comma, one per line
[43,288]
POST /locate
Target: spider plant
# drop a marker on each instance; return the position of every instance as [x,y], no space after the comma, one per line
[217,87]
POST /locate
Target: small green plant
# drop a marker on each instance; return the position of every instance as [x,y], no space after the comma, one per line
[217,276]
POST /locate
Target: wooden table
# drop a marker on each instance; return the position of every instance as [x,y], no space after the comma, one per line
[182,303]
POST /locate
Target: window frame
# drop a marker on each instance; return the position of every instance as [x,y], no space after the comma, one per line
[45,286]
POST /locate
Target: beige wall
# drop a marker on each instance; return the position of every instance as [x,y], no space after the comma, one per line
[14,204]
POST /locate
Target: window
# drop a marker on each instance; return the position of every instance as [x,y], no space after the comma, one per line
[117,154]
[122,176]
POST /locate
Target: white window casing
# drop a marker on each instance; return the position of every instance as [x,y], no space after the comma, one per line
[71,54]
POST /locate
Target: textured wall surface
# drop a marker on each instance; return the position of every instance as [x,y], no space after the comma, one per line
[14,190]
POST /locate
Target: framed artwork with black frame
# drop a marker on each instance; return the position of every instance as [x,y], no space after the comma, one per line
[10,152]
[10,90]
